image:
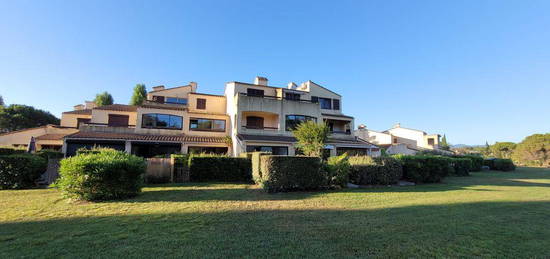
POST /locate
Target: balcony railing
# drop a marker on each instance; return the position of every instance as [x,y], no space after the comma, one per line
[277,98]
[260,128]
[104,127]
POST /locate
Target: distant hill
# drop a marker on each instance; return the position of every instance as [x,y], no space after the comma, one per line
[465,146]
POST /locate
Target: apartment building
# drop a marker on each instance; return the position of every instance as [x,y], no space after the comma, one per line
[400,140]
[171,120]
[262,117]
[248,117]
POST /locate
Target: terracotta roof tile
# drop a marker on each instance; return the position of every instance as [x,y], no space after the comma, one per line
[84,111]
[145,137]
[118,107]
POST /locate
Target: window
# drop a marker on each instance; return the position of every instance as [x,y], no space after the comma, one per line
[253,122]
[80,121]
[335,104]
[201,103]
[175,100]
[281,151]
[292,121]
[158,99]
[206,125]
[326,103]
[116,120]
[292,96]
[254,92]
[394,140]
[207,150]
[161,121]
[315,99]
[431,141]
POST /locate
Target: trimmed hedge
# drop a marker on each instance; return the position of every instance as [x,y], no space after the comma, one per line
[477,162]
[338,170]
[103,175]
[425,169]
[20,171]
[219,168]
[5,151]
[500,164]
[291,173]
[461,166]
[47,154]
[256,164]
[366,170]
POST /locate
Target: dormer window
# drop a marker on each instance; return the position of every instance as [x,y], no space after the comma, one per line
[175,100]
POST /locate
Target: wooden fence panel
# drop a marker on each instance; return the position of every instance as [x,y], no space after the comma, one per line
[159,170]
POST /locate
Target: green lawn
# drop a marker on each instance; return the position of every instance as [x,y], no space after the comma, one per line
[490,214]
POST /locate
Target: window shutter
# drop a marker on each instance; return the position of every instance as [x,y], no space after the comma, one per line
[201,103]
[335,104]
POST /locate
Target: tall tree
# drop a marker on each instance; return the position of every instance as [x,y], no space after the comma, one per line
[104,98]
[533,151]
[502,149]
[311,137]
[1,101]
[443,144]
[17,116]
[139,95]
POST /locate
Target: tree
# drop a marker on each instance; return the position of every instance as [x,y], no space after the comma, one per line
[443,144]
[311,137]
[502,149]
[17,116]
[104,98]
[1,101]
[533,151]
[139,95]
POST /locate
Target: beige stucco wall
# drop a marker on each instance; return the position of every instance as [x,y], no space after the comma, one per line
[102,116]
[374,137]
[180,92]
[70,120]
[23,137]
[214,104]
[400,149]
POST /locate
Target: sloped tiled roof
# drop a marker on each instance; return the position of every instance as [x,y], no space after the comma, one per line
[355,141]
[118,107]
[83,111]
[145,137]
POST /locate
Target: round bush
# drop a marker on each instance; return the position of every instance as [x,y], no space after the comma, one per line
[21,170]
[105,175]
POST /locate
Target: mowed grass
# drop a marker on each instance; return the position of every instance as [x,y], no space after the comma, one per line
[490,214]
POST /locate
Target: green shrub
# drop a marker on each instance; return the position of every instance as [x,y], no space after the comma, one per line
[366,170]
[461,166]
[103,174]
[338,169]
[425,169]
[477,162]
[499,164]
[219,168]
[4,151]
[47,154]
[291,173]
[20,171]
[85,151]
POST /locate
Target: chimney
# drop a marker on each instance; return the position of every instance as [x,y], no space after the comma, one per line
[292,86]
[193,86]
[260,81]
[79,107]
[89,105]
[158,88]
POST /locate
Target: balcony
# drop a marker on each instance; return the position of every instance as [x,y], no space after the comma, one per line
[257,122]
[104,127]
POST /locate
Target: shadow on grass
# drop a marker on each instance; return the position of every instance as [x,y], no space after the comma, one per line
[488,229]
[245,192]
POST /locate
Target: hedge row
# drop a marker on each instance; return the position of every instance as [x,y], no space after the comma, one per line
[103,175]
[425,169]
[499,164]
[19,171]
[366,170]
[5,151]
[291,173]
[219,168]
[477,162]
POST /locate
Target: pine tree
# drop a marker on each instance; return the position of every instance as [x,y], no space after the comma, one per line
[443,144]
[104,98]
[139,95]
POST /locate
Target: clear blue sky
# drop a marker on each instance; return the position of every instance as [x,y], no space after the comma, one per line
[474,70]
